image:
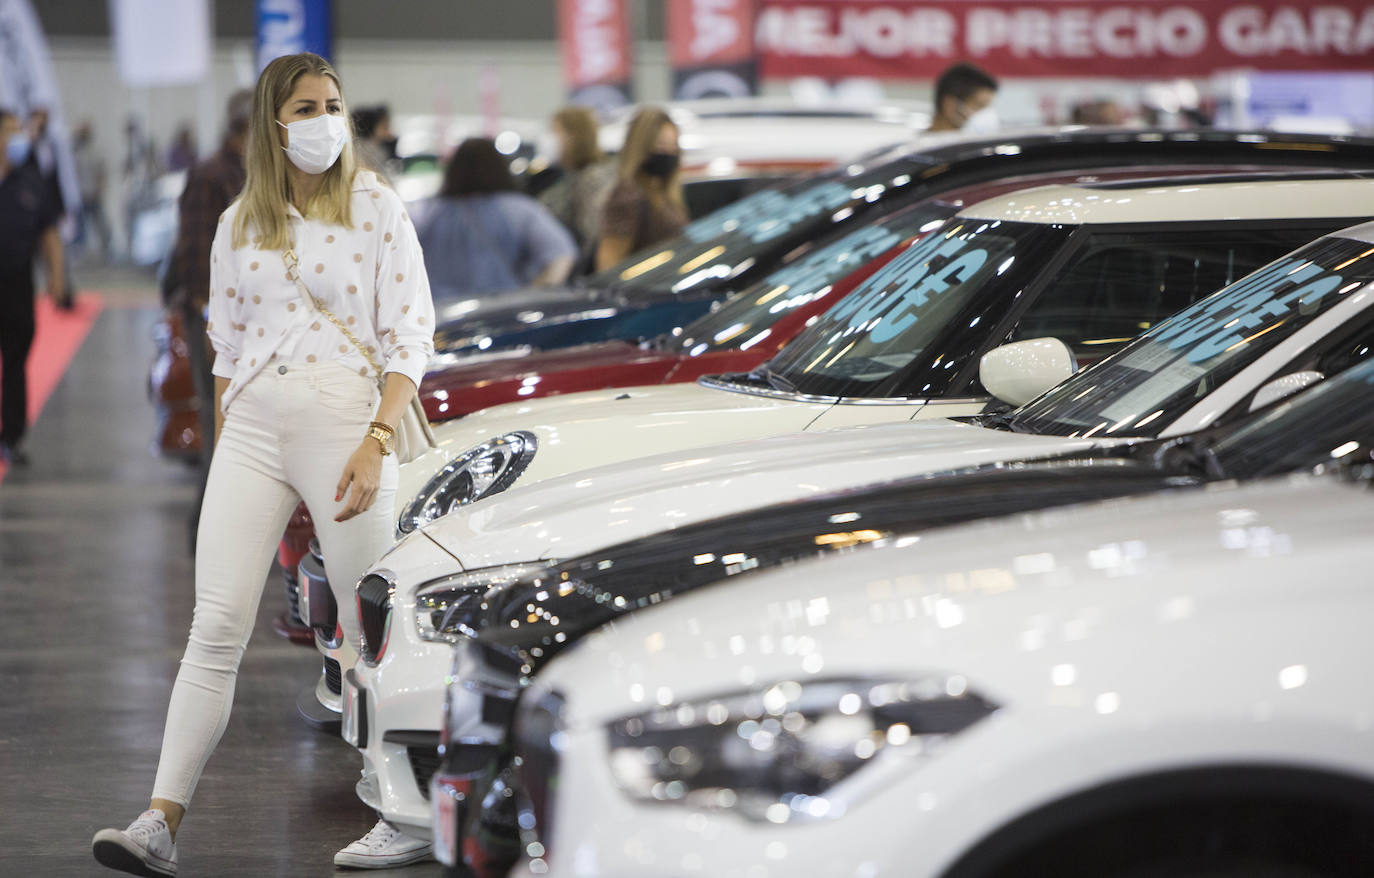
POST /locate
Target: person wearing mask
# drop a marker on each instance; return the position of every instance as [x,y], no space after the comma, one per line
[963,100]
[645,206]
[375,145]
[588,176]
[29,216]
[211,186]
[484,237]
[317,294]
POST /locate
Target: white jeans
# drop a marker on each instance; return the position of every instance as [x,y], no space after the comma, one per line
[286,438]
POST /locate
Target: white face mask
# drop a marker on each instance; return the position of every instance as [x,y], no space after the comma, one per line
[984,121]
[313,145]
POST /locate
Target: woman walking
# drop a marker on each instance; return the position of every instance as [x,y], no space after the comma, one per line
[317,285]
[646,205]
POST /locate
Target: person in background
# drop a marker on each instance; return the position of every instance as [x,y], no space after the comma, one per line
[90,177]
[645,206]
[576,200]
[43,157]
[181,155]
[963,100]
[139,169]
[211,186]
[28,226]
[482,236]
[375,145]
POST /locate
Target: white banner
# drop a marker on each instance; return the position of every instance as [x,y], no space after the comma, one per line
[27,83]
[161,42]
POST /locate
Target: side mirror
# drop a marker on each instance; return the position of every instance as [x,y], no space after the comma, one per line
[1284,385]
[1018,372]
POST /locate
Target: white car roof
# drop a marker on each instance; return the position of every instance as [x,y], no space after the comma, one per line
[1183,202]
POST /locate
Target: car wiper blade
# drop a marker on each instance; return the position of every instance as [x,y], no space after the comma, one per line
[1189,456]
[775,381]
[1001,421]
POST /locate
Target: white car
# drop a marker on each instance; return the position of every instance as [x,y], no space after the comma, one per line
[1168,684]
[1310,314]
[1089,265]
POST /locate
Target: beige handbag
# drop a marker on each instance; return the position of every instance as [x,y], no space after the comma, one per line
[413,436]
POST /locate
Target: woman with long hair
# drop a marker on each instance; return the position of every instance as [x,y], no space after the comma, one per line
[577,198]
[318,294]
[646,205]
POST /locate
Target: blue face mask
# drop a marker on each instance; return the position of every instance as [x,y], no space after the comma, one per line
[17,150]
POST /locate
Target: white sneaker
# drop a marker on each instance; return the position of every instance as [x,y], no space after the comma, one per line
[384,846]
[145,848]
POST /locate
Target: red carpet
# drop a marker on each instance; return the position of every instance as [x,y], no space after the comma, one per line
[56,340]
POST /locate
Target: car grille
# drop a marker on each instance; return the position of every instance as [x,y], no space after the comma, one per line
[293,598]
[333,676]
[374,614]
[537,731]
[424,761]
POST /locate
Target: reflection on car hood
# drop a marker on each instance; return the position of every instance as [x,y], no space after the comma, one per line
[569,515]
[469,314]
[534,621]
[1000,602]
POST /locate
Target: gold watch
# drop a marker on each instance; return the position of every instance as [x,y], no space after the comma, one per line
[383,438]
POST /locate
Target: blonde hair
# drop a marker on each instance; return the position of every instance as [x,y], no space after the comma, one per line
[263,206]
[639,143]
[579,124]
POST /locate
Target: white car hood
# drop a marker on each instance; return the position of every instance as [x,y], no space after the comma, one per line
[604,426]
[567,516]
[1006,602]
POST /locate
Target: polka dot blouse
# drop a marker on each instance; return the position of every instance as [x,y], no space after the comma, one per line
[371,276]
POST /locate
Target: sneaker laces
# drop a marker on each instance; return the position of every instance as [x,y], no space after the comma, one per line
[379,836]
[145,827]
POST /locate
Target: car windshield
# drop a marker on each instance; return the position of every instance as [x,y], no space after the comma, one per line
[1333,421]
[1144,387]
[744,320]
[722,245]
[860,346]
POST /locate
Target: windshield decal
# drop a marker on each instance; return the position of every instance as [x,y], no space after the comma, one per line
[1229,317]
[769,214]
[834,260]
[929,267]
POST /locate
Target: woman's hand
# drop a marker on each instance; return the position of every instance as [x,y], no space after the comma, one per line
[364,473]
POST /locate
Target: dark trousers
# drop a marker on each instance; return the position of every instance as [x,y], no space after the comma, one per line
[16,339]
[199,354]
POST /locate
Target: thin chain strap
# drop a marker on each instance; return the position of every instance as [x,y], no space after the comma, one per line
[293,271]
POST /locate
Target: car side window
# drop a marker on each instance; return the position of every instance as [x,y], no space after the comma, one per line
[1121,284]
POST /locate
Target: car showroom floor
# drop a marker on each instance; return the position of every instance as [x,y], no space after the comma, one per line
[95,603]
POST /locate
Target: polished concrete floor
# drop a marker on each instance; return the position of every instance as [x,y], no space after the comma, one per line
[95,603]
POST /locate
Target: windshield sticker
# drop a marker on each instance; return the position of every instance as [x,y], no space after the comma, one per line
[1231,316]
[839,258]
[887,300]
[769,214]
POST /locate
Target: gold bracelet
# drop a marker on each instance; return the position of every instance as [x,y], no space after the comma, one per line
[382,425]
[382,436]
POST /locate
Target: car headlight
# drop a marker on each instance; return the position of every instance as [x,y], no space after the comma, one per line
[479,472]
[450,608]
[777,754]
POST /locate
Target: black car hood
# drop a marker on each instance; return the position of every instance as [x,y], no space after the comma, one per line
[535,619]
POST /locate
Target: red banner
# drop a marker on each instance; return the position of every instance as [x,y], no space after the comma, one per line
[598,57]
[904,40]
[711,47]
